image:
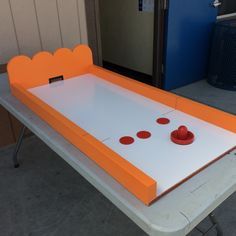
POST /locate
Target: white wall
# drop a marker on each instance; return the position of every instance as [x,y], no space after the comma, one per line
[29,26]
[127,34]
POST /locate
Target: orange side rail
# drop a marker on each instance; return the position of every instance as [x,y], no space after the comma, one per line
[133,179]
[25,73]
[209,114]
[148,91]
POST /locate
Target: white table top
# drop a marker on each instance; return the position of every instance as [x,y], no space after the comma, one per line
[176,213]
[109,112]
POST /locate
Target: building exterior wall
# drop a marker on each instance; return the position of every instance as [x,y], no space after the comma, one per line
[29,26]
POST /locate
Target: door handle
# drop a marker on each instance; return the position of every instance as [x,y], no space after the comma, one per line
[216,3]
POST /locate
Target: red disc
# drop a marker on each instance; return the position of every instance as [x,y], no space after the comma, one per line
[182,136]
[126,140]
[163,121]
[143,134]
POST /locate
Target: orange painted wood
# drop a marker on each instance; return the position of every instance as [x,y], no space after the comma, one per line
[209,114]
[146,90]
[31,73]
[133,179]
[25,73]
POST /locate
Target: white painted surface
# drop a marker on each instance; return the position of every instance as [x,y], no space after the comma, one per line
[167,162]
[99,107]
[175,214]
[109,112]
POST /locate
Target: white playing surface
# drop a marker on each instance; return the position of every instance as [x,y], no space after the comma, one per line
[109,112]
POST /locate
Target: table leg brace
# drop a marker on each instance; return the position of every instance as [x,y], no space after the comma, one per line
[17,147]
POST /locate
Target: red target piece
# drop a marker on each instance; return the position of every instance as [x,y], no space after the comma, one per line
[182,136]
[182,132]
[163,121]
[143,134]
[126,140]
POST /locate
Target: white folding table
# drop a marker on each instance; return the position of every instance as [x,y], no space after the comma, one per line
[177,213]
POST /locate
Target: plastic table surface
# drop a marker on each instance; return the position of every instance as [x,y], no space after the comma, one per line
[177,213]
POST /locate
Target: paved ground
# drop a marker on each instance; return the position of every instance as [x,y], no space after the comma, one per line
[205,93]
[46,197]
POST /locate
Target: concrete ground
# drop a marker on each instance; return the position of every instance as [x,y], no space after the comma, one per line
[46,197]
[203,92]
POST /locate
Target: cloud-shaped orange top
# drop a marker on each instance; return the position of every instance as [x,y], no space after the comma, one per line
[36,71]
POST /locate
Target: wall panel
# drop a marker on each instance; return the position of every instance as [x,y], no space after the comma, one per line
[93,30]
[8,41]
[69,22]
[26,26]
[82,21]
[49,25]
[29,26]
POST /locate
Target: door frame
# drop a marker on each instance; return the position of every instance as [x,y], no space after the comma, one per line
[160,7]
[94,36]
[93,29]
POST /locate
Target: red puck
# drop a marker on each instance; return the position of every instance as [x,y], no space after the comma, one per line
[182,136]
[126,140]
[163,121]
[143,134]
[182,132]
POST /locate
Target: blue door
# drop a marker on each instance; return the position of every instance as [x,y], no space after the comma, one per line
[187,39]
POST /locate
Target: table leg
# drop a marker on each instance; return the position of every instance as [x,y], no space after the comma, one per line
[17,147]
[216,224]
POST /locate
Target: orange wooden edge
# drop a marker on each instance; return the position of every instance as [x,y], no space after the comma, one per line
[209,114]
[148,91]
[36,71]
[133,179]
[25,73]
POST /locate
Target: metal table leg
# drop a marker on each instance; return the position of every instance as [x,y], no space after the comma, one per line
[216,224]
[17,147]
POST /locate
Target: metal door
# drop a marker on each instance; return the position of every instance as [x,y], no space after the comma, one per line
[188,27]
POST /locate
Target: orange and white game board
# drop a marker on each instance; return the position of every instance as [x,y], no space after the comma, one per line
[149,140]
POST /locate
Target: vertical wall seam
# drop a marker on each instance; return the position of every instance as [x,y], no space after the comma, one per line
[77,6]
[14,27]
[96,30]
[85,31]
[95,25]
[59,22]
[37,21]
